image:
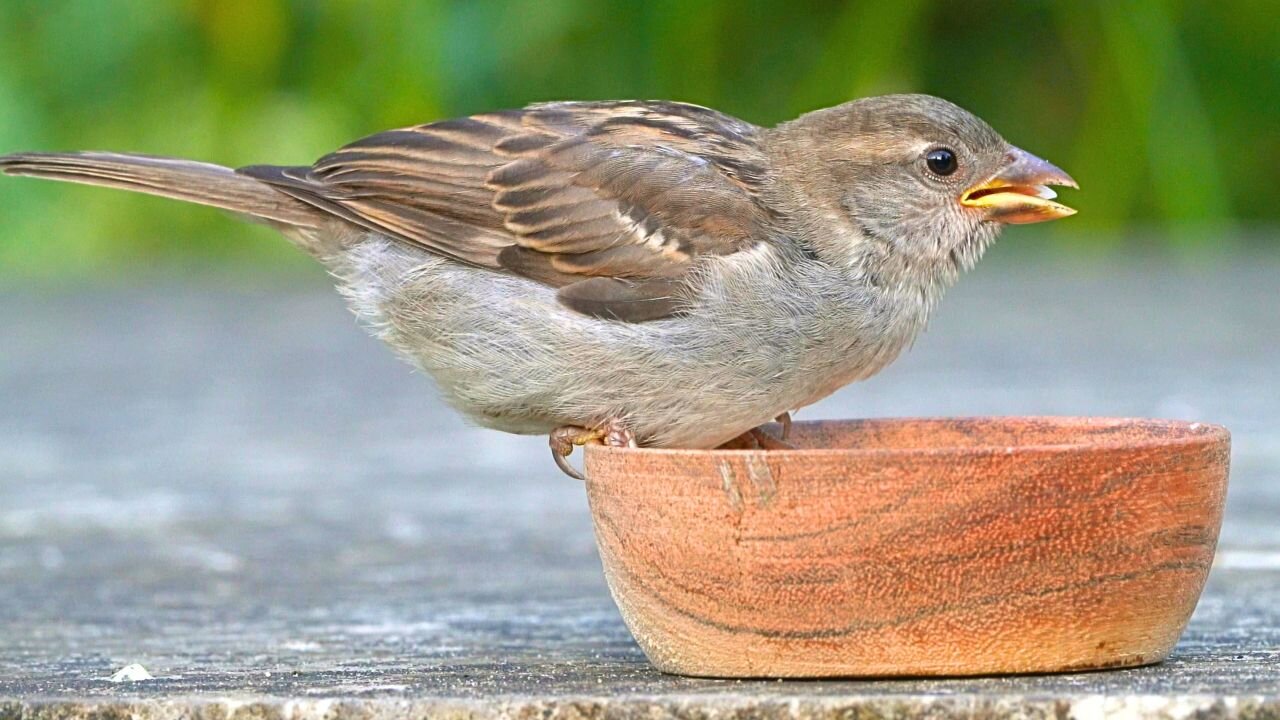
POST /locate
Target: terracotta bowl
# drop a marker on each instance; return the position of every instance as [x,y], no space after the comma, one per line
[914,547]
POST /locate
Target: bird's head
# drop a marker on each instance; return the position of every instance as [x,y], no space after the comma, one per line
[918,180]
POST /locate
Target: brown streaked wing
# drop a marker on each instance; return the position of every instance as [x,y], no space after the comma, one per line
[611,202]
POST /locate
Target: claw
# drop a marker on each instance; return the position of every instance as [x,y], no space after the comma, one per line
[562,462]
[562,440]
[618,435]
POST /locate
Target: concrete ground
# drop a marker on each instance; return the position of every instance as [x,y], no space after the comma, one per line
[233,487]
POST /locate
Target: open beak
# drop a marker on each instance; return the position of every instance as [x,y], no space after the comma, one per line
[1020,192]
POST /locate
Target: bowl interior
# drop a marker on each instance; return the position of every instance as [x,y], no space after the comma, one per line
[907,434]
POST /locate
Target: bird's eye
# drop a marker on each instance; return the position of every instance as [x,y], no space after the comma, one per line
[941,161]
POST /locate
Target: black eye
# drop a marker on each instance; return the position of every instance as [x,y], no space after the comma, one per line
[941,161]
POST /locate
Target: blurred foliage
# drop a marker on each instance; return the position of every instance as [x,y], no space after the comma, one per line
[1165,111]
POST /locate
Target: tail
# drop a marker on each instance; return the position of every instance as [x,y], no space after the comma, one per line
[195,182]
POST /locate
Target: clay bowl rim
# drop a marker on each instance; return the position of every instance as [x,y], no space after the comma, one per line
[1186,433]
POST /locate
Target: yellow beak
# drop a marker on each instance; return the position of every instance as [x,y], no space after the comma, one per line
[1020,192]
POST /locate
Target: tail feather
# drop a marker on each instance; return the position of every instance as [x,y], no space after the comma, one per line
[187,180]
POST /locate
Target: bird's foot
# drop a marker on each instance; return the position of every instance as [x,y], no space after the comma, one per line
[765,441]
[616,434]
[757,439]
[563,439]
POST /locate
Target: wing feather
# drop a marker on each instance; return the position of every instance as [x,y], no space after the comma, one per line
[612,202]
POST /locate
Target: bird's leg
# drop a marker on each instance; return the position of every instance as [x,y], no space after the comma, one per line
[785,420]
[757,439]
[563,439]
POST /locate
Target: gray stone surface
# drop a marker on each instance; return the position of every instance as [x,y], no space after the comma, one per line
[228,483]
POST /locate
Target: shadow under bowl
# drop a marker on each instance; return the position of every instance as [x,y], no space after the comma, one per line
[914,547]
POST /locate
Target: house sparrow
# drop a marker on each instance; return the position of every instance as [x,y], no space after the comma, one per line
[652,273]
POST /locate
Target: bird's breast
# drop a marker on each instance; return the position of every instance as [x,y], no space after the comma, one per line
[807,329]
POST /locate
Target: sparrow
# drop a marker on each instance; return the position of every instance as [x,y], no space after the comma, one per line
[645,273]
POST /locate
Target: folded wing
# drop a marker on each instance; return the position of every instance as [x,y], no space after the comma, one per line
[612,203]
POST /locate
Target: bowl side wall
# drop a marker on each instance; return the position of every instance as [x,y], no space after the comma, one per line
[975,561]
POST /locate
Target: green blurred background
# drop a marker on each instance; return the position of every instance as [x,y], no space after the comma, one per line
[1168,113]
